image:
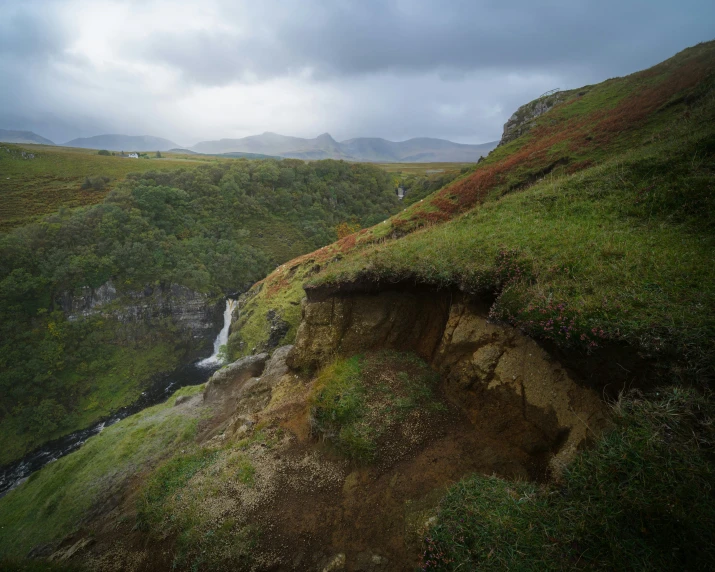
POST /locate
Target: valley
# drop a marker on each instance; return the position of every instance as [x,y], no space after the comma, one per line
[510,368]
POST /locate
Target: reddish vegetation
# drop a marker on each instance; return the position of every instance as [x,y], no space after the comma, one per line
[583,134]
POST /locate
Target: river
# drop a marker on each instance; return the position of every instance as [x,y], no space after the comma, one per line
[160,390]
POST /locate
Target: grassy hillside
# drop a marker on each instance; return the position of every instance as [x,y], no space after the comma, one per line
[52,179]
[594,228]
[53,502]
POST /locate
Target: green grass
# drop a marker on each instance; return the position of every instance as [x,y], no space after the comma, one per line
[53,502]
[359,401]
[594,227]
[33,188]
[253,329]
[618,252]
[179,502]
[641,499]
[173,475]
[111,381]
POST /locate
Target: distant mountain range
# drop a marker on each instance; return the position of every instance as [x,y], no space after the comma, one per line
[9,136]
[372,149]
[123,143]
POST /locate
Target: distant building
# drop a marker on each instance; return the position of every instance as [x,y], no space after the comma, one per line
[133,155]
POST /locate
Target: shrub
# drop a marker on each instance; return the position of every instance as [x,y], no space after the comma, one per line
[96,183]
[103,152]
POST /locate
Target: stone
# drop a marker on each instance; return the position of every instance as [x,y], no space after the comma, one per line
[337,563]
[230,379]
[65,554]
[196,315]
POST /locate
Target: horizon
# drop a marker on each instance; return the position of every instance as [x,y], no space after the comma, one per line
[200,72]
[188,146]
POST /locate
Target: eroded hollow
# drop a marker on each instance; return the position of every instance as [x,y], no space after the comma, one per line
[510,389]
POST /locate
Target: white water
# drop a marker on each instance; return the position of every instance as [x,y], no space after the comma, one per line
[213,360]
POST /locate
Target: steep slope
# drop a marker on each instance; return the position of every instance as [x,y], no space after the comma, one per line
[159,246]
[558,227]
[10,136]
[123,143]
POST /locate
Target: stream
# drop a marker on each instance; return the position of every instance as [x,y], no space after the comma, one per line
[14,474]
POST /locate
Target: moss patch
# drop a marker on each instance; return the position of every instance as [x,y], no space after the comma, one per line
[363,404]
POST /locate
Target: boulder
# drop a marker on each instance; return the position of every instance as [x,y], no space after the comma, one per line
[228,381]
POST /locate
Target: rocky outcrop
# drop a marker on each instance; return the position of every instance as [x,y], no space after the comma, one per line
[193,312]
[522,119]
[497,375]
[228,382]
[245,387]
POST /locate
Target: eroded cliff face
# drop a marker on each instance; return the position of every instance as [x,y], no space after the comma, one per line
[195,314]
[504,381]
[506,408]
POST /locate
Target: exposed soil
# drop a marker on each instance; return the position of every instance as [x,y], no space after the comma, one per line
[313,505]
[508,408]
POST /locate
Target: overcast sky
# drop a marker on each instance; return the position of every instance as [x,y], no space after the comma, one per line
[209,69]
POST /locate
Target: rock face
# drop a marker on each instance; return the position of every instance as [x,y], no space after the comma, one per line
[245,387]
[193,312]
[520,122]
[494,373]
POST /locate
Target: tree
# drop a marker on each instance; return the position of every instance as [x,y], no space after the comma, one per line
[158,154]
[103,152]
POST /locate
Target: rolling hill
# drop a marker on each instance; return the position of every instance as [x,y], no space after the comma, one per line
[123,143]
[10,136]
[368,149]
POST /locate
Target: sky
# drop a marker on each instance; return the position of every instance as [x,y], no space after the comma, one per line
[192,71]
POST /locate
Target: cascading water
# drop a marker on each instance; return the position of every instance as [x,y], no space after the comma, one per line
[160,390]
[214,360]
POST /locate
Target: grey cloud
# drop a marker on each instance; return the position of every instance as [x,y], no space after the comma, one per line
[339,38]
[396,68]
[27,31]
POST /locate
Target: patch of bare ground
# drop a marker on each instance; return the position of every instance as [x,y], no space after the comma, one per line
[305,506]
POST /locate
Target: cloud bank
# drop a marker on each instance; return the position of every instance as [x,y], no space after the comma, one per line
[189,71]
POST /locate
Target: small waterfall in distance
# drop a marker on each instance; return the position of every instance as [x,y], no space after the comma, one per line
[213,360]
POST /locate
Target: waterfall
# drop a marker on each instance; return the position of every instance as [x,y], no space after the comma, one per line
[213,360]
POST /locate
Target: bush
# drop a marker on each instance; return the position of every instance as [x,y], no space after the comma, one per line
[103,152]
[641,499]
[96,183]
